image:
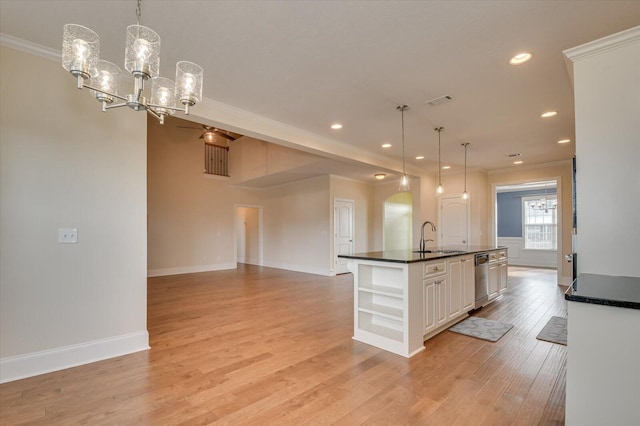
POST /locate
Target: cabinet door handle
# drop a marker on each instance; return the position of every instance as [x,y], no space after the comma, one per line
[435,268]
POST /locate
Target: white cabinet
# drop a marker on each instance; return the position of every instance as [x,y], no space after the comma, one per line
[494,279]
[386,306]
[504,276]
[461,285]
[449,293]
[498,273]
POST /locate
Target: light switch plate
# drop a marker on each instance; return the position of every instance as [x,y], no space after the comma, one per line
[68,235]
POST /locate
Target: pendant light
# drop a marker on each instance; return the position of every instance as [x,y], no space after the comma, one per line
[440,189]
[465,195]
[404,180]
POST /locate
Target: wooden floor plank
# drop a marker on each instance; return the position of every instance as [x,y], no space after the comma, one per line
[265,346]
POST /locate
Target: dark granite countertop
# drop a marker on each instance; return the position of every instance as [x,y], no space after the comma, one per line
[623,292]
[408,256]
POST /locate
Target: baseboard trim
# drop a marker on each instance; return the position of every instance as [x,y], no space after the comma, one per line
[298,268]
[190,269]
[36,363]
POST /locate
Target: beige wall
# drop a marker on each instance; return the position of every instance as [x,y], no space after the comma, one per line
[478,200]
[248,235]
[191,216]
[362,195]
[560,171]
[66,164]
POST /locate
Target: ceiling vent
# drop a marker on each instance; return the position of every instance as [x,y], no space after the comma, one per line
[440,100]
[517,154]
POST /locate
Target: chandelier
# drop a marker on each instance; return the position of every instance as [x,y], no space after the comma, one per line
[545,204]
[80,56]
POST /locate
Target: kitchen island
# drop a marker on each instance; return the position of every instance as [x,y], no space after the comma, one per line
[402,298]
[603,349]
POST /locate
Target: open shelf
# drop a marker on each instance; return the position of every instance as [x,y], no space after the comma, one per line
[383,290]
[374,323]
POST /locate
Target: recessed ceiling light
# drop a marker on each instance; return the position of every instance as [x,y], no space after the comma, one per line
[564,141]
[336,126]
[549,114]
[446,167]
[521,58]
[386,145]
[517,162]
[380,176]
[420,157]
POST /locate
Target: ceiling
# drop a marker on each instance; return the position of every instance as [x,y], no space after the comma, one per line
[310,64]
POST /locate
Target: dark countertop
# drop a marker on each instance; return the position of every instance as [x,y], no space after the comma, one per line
[623,292]
[407,256]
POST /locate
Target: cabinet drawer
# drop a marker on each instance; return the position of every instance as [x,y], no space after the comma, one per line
[434,268]
[493,256]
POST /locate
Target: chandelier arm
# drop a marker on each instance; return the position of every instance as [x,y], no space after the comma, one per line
[165,107]
[86,86]
[114,106]
[155,115]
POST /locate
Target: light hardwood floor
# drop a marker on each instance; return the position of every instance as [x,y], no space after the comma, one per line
[270,347]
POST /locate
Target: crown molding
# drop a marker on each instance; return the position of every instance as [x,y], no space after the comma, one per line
[30,47]
[596,47]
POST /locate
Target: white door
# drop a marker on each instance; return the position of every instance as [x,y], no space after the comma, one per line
[343,233]
[454,221]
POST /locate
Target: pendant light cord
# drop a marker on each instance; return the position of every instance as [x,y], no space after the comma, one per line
[138,12]
[402,108]
[439,130]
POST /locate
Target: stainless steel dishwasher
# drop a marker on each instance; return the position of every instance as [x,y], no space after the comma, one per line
[482,279]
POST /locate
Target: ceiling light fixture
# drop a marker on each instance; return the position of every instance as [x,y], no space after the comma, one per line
[420,157]
[517,162]
[80,56]
[386,145]
[446,167]
[521,58]
[564,141]
[336,126]
[465,195]
[545,204]
[440,189]
[404,180]
[549,114]
[380,176]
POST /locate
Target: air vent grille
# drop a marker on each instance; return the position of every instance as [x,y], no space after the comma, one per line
[440,100]
[517,154]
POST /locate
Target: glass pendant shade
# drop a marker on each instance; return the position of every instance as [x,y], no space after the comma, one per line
[80,50]
[440,189]
[142,53]
[189,78]
[404,184]
[162,95]
[209,137]
[465,195]
[106,78]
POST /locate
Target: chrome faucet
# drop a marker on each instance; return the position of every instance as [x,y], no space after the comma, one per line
[423,242]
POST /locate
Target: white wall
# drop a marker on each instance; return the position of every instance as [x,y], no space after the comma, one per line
[248,235]
[607,100]
[66,164]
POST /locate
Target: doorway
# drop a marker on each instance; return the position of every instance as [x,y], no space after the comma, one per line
[249,235]
[343,233]
[397,222]
[528,222]
[454,221]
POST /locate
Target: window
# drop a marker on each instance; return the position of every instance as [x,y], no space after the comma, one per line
[216,159]
[540,223]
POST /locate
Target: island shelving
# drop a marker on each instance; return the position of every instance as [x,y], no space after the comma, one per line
[402,298]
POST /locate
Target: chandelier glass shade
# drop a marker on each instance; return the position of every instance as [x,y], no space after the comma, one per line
[81,57]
